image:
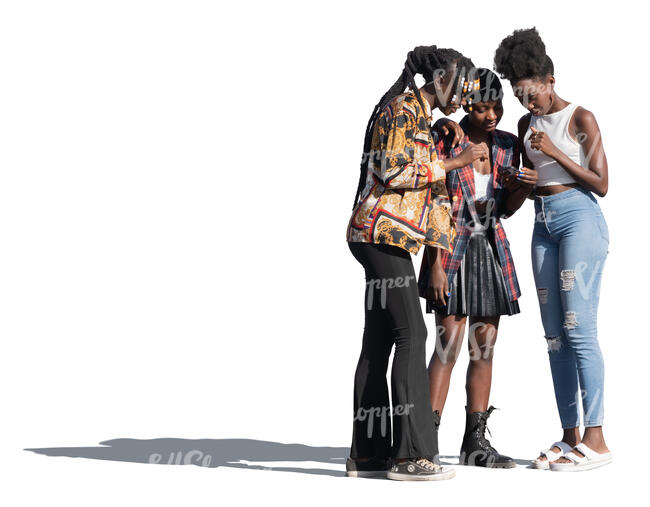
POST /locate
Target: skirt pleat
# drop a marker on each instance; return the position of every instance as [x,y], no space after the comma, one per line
[478,288]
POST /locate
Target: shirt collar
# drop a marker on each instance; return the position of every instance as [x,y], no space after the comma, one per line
[428,114]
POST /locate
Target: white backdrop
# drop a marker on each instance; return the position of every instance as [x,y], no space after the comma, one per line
[176,182]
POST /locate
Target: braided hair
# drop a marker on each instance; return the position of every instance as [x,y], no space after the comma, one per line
[522,55]
[425,60]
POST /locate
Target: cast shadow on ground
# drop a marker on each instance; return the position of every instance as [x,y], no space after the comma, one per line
[213,453]
[226,452]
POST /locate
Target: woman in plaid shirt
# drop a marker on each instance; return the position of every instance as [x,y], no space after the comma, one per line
[477,279]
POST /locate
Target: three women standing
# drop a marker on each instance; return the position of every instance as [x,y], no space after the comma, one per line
[402,203]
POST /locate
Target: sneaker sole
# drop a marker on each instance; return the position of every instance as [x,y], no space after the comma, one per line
[367,474]
[440,476]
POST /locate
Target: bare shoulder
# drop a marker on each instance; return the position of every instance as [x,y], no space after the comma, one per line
[524,121]
[584,118]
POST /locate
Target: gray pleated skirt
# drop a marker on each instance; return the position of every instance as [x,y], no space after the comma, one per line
[478,288]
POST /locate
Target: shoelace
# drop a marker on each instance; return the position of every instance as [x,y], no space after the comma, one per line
[425,463]
[483,426]
[488,414]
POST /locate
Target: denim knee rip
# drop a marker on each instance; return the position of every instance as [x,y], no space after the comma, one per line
[568,278]
[554,343]
[542,294]
[570,320]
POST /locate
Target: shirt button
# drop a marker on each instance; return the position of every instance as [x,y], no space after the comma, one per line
[496,226]
[454,198]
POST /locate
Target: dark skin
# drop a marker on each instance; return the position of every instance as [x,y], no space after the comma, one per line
[483,120]
[539,97]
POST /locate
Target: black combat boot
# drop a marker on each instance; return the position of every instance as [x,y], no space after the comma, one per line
[476,449]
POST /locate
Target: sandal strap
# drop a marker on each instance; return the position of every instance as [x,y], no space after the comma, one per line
[552,455]
[563,446]
[575,458]
[587,451]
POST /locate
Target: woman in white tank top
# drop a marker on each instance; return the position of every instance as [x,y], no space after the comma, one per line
[555,128]
[562,142]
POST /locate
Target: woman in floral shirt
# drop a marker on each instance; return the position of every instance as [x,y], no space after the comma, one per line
[401,204]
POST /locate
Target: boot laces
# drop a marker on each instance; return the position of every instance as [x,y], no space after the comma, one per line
[482,426]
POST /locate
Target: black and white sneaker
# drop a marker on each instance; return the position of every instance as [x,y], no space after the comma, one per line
[419,469]
[374,467]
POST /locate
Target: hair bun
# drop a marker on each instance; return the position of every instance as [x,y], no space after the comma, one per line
[417,59]
[522,55]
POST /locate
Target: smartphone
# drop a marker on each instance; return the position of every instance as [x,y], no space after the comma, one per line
[509,170]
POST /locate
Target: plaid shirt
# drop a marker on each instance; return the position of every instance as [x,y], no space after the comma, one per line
[460,187]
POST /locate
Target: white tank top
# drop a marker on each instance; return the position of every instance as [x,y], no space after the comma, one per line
[483,186]
[556,127]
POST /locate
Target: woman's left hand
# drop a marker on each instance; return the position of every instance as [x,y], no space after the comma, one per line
[527,178]
[540,141]
[523,178]
[451,127]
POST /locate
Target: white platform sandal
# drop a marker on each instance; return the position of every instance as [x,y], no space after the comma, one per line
[590,460]
[551,455]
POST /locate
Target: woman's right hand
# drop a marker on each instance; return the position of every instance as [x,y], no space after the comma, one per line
[447,127]
[471,153]
[438,284]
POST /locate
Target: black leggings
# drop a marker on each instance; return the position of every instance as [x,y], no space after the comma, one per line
[392,316]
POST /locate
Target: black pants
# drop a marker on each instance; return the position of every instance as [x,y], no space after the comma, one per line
[392,316]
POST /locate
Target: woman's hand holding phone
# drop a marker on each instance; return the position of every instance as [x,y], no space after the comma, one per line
[527,178]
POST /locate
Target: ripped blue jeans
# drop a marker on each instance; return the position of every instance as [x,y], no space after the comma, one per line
[569,248]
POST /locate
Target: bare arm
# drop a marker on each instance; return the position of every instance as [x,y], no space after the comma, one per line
[522,126]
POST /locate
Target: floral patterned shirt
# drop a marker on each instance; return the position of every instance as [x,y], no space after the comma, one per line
[404,202]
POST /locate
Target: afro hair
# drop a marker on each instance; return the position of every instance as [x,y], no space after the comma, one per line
[522,55]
